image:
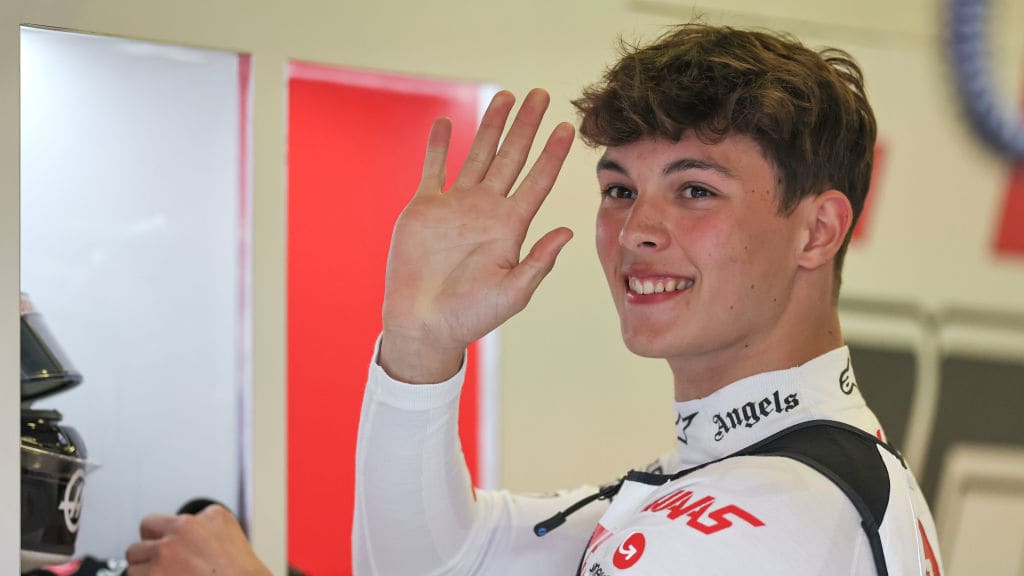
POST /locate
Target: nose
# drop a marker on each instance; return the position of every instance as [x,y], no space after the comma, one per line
[644,228]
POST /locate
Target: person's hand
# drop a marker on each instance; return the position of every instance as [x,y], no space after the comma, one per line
[210,542]
[454,271]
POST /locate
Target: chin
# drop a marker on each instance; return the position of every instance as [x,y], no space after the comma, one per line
[649,346]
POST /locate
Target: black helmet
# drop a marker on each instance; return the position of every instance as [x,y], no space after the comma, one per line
[53,456]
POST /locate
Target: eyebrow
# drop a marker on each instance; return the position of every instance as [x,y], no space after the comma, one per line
[677,166]
[695,164]
[611,165]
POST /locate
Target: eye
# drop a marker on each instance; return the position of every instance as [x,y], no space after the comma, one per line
[618,192]
[696,191]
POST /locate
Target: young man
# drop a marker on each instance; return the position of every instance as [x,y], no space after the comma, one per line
[735,166]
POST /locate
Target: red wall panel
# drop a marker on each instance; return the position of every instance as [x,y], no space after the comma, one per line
[1010,235]
[356,143]
[860,231]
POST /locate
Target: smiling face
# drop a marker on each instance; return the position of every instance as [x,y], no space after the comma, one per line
[701,264]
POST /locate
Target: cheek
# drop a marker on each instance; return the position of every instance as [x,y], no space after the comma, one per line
[710,242]
[607,237]
[764,249]
[731,258]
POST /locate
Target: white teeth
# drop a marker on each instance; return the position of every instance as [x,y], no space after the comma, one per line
[645,287]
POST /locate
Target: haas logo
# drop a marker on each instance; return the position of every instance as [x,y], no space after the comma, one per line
[683,504]
[630,551]
[929,555]
[71,506]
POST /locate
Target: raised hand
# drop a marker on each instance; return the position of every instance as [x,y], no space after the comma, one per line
[454,270]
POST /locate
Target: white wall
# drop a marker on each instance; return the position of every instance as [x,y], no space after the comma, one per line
[130,248]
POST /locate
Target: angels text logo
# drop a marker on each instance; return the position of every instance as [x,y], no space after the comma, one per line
[751,413]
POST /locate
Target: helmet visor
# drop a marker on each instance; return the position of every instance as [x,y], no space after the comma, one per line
[45,368]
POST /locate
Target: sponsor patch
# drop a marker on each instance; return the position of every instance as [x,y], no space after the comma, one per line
[749,414]
[71,505]
[846,381]
[629,552]
[686,421]
[702,513]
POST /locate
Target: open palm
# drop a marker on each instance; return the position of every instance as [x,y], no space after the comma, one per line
[454,271]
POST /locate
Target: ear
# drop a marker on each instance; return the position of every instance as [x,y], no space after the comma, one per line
[828,217]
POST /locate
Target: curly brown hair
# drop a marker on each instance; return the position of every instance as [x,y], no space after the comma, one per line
[807,110]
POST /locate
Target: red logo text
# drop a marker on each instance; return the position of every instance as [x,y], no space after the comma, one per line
[702,513]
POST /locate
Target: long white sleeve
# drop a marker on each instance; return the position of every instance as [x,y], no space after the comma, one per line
[415,509]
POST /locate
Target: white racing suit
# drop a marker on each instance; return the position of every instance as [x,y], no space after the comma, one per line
[416,512]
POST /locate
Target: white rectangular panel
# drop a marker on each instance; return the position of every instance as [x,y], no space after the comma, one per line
[131,249]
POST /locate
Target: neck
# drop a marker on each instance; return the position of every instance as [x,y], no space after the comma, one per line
[793,341]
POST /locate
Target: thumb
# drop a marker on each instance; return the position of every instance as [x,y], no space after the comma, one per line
[527,276]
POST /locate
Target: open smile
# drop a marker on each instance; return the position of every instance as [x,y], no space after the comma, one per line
[657,286]
[646,286]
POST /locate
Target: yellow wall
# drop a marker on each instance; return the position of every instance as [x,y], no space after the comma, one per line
[567,379]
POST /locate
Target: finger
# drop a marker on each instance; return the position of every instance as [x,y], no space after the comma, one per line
[141,552]
[155,526]
[541,178]
[511,158]
[221,519]
[528,274]
[137,570]
[433,176]
[481,152]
